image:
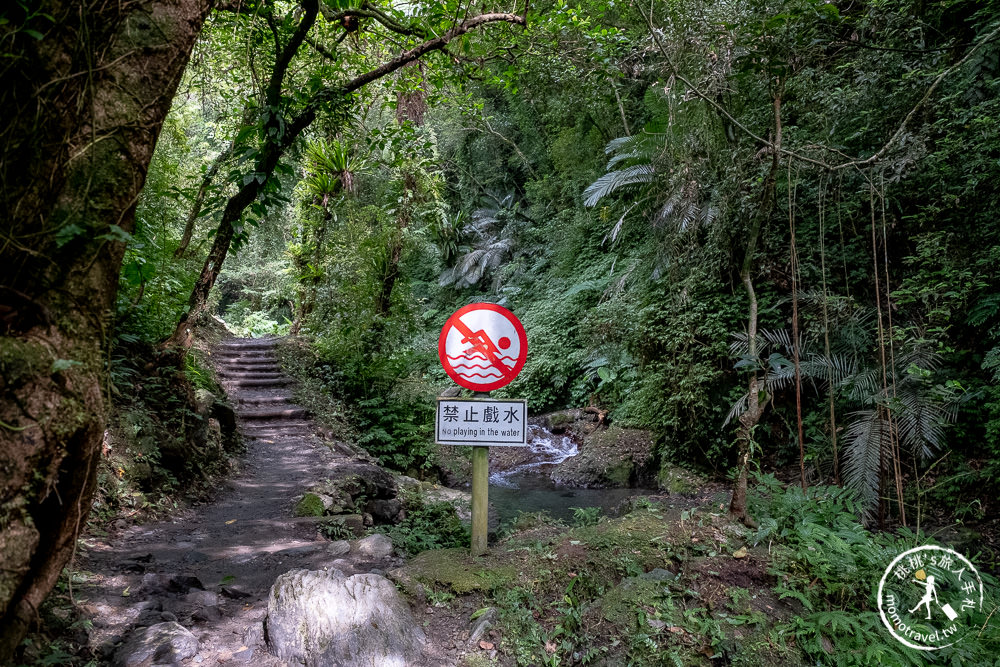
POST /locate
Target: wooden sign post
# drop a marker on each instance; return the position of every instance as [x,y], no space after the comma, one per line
[482,347]
[480,498]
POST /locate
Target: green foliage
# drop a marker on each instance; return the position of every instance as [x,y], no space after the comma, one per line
[334,528]
[427,526]
[158,447]
[309,505]
[586,516]
[241,318]
[824,552]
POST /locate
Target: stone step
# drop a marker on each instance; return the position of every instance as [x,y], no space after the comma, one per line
[252,365]
[266,400]
[267,382]
[274,413]
[249,344]
[257,425]
[279,434]
[252,356]
[252,375]
[237,371]
[239,368]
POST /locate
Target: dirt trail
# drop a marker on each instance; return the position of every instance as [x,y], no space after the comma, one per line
[234,546]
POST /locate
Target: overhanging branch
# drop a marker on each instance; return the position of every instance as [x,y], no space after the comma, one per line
[857,163]
[367,10]
[435,44]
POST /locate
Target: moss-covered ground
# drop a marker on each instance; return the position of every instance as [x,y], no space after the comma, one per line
[659,585]
[674,581]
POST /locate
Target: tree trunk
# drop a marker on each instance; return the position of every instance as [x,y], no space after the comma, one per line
[796,360]
[758,398]
[82,108]
[199,200]
[308,292]
[411,106]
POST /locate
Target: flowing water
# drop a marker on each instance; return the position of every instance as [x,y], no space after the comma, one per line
[527,487]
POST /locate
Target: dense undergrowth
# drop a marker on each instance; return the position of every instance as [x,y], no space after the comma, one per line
[170,433]
[674,583]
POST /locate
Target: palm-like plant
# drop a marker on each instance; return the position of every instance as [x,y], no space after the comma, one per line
[899,411]
[447,233]
[331,169]
[661,179]
[491,232]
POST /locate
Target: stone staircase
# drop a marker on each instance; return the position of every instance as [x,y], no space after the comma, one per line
[260,391]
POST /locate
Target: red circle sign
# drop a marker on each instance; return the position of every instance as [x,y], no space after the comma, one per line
[483,346]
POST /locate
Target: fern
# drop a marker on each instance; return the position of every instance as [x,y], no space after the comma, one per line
[784,593]
[614,181]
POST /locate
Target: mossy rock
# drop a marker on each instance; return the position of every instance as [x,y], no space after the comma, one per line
[612,457]
[310,505]
[621,604]
[674,479]
[620,474]
[457,570]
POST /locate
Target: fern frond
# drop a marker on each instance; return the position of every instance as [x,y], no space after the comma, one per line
[866,437]
[613,181]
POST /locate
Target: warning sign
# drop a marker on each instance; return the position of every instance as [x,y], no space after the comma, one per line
[469,421]
[483,347]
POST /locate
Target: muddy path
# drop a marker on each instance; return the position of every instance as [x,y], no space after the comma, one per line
[210,567]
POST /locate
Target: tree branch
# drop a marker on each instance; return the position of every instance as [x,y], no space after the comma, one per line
[367,10]
[859,162]
[322,50]
[284,59]
[199,199]
[435,44]
[234,6]
[509,142]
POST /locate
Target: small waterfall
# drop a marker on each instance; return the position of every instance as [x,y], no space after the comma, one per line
[546,449]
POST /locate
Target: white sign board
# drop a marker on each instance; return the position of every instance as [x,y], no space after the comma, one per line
[486,422]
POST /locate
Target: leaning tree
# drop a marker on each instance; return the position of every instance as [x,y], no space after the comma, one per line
[84,89]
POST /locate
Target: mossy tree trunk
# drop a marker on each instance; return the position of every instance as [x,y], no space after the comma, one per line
[83,98]
[411,105]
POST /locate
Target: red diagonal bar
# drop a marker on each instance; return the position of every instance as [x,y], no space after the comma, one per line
[482,342]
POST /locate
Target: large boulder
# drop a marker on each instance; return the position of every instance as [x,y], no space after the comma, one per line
[168,643]
[612,457]
[376,546]
[327,618]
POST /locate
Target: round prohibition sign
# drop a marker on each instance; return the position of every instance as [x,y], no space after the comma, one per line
[483,346]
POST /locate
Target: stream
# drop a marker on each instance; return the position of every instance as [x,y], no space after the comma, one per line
[527,487]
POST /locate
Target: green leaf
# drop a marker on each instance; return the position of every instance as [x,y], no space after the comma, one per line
[60,365]
[116,233]
[68,233]
[245,133]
